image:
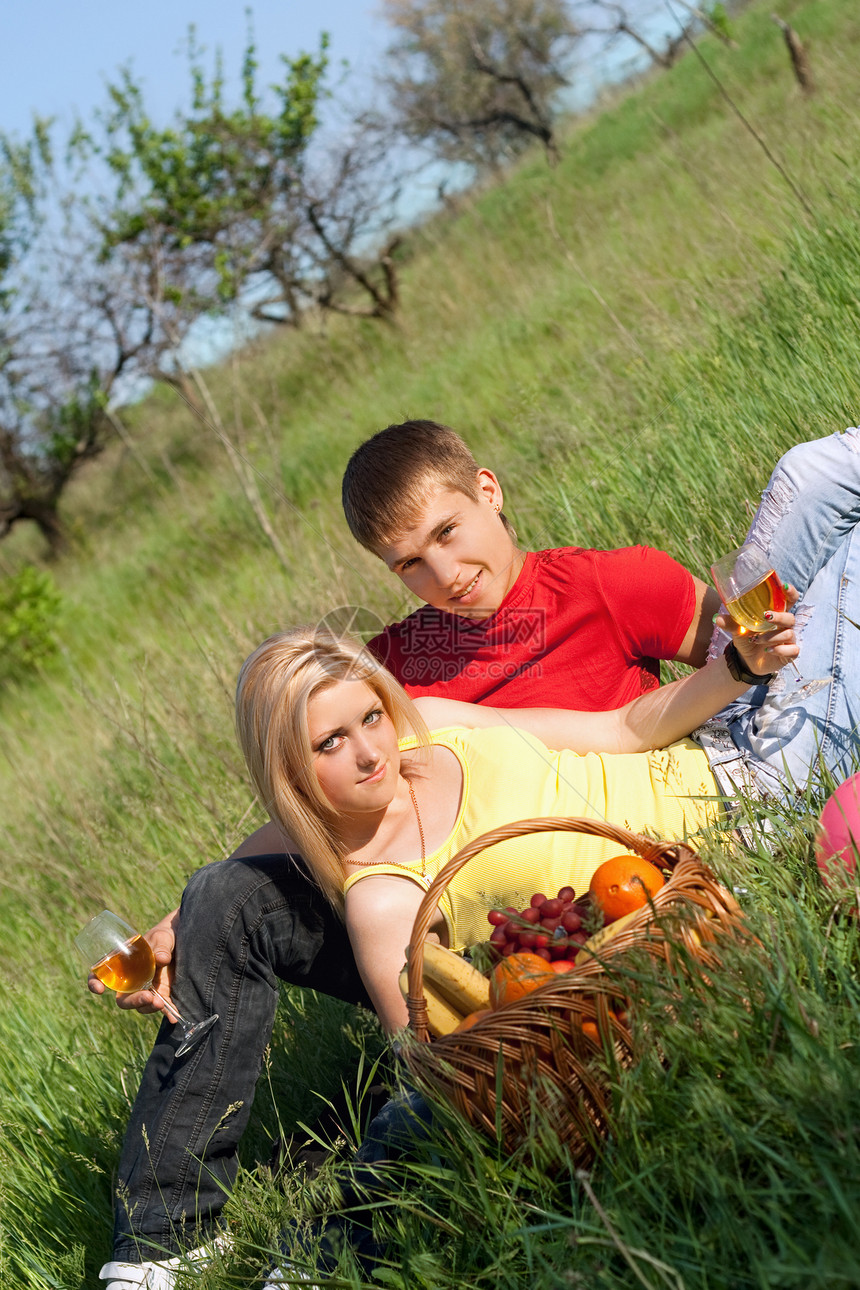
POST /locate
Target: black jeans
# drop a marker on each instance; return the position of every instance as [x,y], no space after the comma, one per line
[245,925]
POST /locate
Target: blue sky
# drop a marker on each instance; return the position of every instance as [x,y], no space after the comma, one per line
[55,55]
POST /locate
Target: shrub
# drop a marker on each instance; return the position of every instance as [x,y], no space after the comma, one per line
[30,605]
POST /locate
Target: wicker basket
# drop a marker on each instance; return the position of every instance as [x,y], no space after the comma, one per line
[531,1058]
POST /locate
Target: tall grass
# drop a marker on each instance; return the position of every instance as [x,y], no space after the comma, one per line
[630,340]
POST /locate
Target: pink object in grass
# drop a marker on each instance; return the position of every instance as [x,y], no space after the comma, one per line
[837,838]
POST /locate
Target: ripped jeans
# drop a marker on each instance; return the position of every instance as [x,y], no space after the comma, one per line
[807,522]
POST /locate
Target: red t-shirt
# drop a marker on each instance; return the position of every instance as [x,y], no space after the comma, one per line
[579,629]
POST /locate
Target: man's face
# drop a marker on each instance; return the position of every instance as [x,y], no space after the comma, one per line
[458,555]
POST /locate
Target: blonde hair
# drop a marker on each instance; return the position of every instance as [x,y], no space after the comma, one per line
[276,684]
[386,479]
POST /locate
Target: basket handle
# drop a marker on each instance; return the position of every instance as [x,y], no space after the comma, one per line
[662,854]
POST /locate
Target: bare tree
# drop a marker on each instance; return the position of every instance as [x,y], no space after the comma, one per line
[340,254]
[635,21]
[477,80]
[246,198]
[55,376]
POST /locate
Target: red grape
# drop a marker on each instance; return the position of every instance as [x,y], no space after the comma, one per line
[571,921]
[544,954]
[566,894]
[552,908]
[550,924]
[527,939]
[540,941]
[531,915]
[497,919]
[537,900]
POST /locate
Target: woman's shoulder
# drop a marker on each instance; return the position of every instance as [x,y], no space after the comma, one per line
[496,742]
[440,736]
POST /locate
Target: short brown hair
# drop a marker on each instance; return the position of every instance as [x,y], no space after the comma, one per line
[386,479]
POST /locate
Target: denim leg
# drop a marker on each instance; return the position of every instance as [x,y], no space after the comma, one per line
[823,729]
[402,1124]
[810,506]
[807,521]
[245,925]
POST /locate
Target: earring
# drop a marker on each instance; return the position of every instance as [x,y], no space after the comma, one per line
[497,507]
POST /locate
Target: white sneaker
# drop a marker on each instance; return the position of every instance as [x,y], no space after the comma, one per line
[284,1276]
[161,1275]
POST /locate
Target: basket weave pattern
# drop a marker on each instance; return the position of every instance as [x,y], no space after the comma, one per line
[532,1055]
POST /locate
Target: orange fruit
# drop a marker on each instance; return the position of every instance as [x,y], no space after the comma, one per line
[590,1031]
[471,1018]
[516,976]
[623,884]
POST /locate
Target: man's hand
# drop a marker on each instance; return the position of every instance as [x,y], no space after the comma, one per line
[162,938]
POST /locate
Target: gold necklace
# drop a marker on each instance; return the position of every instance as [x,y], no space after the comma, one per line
[364,863]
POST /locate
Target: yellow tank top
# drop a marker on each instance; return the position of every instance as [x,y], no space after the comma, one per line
[510,775]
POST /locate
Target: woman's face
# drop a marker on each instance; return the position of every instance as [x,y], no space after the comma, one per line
[354,747]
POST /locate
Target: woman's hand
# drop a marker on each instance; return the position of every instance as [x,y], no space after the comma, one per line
[767,651]
[162,938]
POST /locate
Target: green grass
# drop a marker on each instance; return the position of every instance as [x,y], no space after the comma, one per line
[630,340]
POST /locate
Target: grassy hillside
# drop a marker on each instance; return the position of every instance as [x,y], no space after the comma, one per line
[629,339]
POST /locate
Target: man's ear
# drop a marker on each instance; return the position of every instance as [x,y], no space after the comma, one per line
[489,489]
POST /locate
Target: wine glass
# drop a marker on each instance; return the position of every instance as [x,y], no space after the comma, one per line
[123,960]
[749,586]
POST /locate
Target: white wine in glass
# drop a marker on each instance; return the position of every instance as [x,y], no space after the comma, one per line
[123,960]
[749,586]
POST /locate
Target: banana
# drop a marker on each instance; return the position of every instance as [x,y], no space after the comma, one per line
[462,985]
[596,942]
[442,1018]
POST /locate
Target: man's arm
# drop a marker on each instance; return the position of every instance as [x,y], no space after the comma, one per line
[694,646]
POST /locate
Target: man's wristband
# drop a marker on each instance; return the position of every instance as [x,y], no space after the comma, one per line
[739,670]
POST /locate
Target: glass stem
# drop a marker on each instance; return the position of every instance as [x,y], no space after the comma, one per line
[171,1008]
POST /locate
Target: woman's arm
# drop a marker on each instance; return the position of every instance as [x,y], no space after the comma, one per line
[380,913]
[652,720]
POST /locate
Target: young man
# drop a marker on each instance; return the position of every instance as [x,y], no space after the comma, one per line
[571,627]
[567,628]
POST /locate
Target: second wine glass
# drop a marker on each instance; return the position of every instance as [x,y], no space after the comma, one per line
[749,586]
[123,960]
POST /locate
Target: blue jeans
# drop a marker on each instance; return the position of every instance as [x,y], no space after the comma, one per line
[246,925]
[807,522]
[394,1134]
